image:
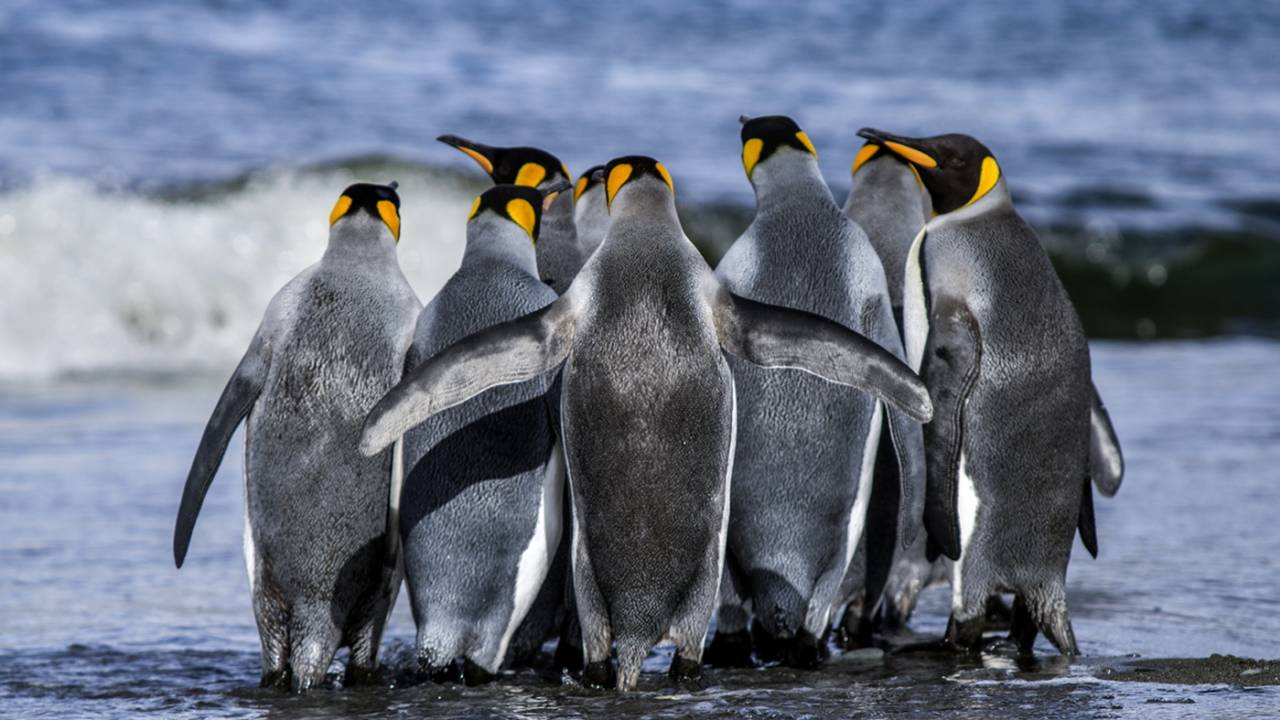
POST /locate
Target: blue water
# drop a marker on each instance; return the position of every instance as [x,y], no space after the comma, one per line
[1148,113]
[96,622]
[166,167]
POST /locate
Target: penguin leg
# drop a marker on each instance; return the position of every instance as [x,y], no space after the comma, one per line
[593,616]
[272,616]
[1048,607]
[689,630]
[314,639]
[1022,627]
[858,624]
[363,638]
[731,645]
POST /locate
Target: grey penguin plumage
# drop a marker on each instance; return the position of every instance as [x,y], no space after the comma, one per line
[319,530]
[647,414]
[560,254]
[802,471]
[481,514]
[993,333]
[887,200]
[590,211]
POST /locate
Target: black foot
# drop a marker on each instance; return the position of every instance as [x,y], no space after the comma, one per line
[473,674]
[442,674]
[769,648]
[941,646]
[276,679]
[861,635]
[684,670]
[357,675]
[599,676]
[568,655]
[807,652]
[729,650]
[998,616]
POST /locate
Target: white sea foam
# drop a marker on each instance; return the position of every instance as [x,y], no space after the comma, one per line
[95,281]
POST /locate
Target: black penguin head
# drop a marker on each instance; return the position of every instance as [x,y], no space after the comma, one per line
[520,204]
[763,136]
[380,201]
[587,180]
[512,165]
[956,169]
[620,171]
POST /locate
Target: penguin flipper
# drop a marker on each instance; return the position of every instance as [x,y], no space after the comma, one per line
[950,366]
[907,437]
[1106,462]
[504,354]
[1086,524]
[237,398]
[776,337]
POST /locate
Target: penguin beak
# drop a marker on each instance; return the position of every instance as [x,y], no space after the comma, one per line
[484,155]
[549,194]
[744,119]
[908,149]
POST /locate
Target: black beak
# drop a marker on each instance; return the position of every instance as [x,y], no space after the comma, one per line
[744,119]
[393,184]
[484,155]
[557,188]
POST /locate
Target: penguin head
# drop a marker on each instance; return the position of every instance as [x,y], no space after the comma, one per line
[526,166]
[636,171]
[514,203]
[763,137]
[380,201]
[956,170]
[593,177]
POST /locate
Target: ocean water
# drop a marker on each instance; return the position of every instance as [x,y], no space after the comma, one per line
[96,622]
[166,167]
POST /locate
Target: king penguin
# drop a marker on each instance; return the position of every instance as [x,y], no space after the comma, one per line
[481,507]
[648,415]
[590,212]
[887,200]
[560,254]
[319,536]
[802,470]
[995,337]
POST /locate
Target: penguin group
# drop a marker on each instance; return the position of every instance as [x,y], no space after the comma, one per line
[591,435]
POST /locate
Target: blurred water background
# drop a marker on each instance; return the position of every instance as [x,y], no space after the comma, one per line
[166,167]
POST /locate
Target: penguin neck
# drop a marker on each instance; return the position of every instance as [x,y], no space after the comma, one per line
[889,182]
[790,176]
[645,202]
[557,220]
[997,198]
[493,239]
[591,218]
[360,237]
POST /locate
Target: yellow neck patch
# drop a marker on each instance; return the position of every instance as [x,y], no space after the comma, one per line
[480,159]
[751,150]
[565,169]
[807,143]
[987,180]
[916,173]
[867,152]
[340,208]
[387,211]
[475,208]
[530,174]
[618,177]
[666,176]
[581,187]
[521,212]
[911,154]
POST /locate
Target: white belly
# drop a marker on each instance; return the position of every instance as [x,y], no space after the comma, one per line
[967,511]
[536,558]
[915,316]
